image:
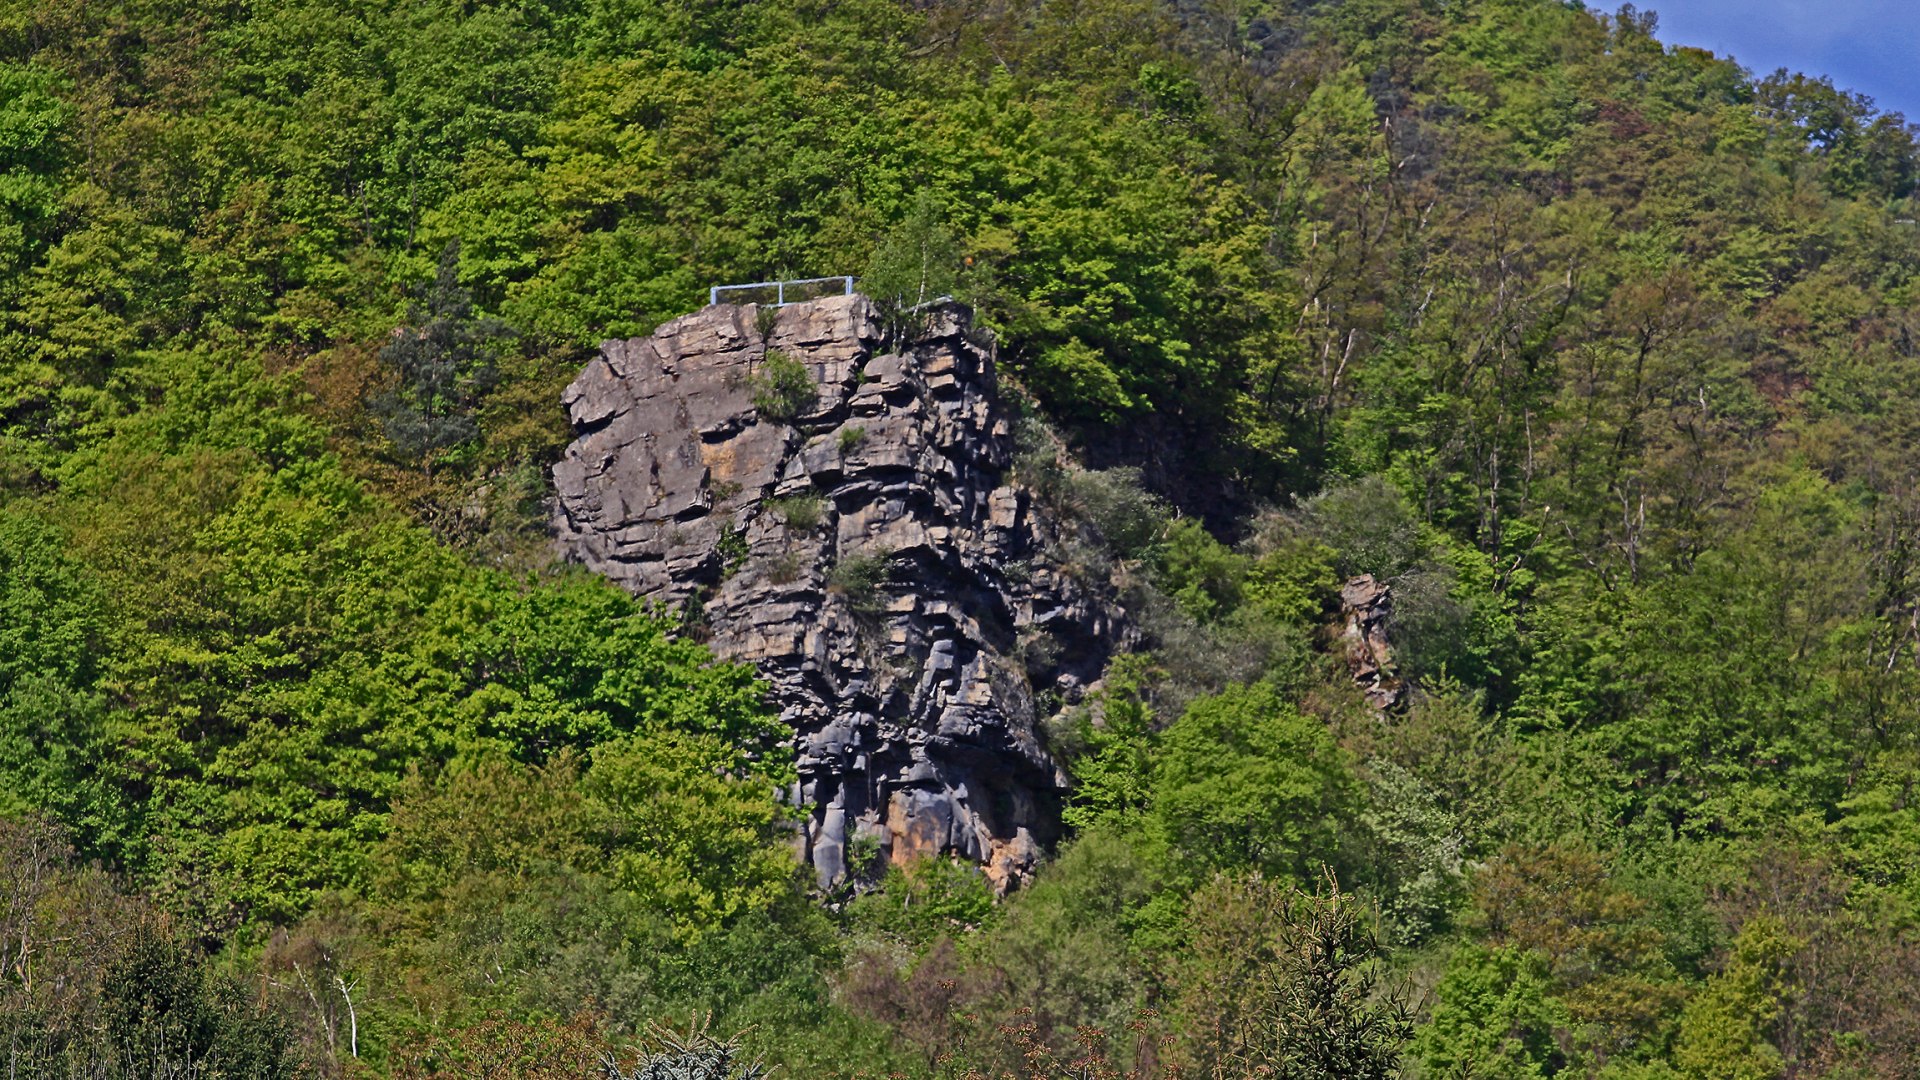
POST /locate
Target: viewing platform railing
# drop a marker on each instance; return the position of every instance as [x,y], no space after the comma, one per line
[800,285]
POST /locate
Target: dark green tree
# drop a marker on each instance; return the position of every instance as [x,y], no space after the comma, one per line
[446,357]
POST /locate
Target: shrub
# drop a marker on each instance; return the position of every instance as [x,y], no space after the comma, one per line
[1039,652]
[539,1049]
[1494,1015]
[1415,850]
[1201,574]
[1244,782]
[732,547]
[783,388]
[917,262]
[924,898]
[850,437]
[787,569]
[1369,527]
[858,578]
[96,984]
[1131,519]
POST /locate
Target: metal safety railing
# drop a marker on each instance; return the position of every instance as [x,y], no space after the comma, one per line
[780,289]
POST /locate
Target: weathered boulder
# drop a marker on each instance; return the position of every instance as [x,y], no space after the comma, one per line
[871,558]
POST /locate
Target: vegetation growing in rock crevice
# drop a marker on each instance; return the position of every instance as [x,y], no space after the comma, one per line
[783,388]
[800,513]
[856,577]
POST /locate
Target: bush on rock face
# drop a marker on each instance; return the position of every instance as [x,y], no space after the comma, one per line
[783,389]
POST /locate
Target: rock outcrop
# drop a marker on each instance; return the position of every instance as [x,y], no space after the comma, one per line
[1366,609]
[870,557]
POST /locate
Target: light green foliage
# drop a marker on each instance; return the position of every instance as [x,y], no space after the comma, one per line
[1416,852]
[917,262]
[925,899]
[53,736]
[1447,746]
[1878,831]
[1066,949]
[1723,1032]
[481,817]
[1493,1016]
[1242,781]
[1291,576]
[690,841]
[1201,574]
[34,146]
[493,890]
[286,647]
[1701,699]
[1112,759]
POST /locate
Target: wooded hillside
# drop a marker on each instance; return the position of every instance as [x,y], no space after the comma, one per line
[1599,350]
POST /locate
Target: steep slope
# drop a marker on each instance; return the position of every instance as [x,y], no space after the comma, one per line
[871,557]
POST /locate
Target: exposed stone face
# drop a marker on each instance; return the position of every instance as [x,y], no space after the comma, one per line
[1366,608]
[912,687]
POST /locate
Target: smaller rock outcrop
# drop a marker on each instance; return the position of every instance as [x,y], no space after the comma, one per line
[1366,609]
[865,549]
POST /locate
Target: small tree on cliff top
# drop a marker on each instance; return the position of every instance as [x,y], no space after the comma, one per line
[918,261]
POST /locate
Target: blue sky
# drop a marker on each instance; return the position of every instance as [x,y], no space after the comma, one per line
[1870,46]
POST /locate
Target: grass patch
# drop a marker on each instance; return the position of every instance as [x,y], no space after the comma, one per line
[801,513]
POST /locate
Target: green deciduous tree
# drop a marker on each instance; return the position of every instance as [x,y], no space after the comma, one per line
[689,839]
[1493,1016]
[1723,1031]
[1243,781]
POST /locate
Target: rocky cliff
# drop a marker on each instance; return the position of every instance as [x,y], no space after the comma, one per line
[863,545]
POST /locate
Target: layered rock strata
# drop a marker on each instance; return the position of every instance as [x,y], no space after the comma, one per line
[870,556]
